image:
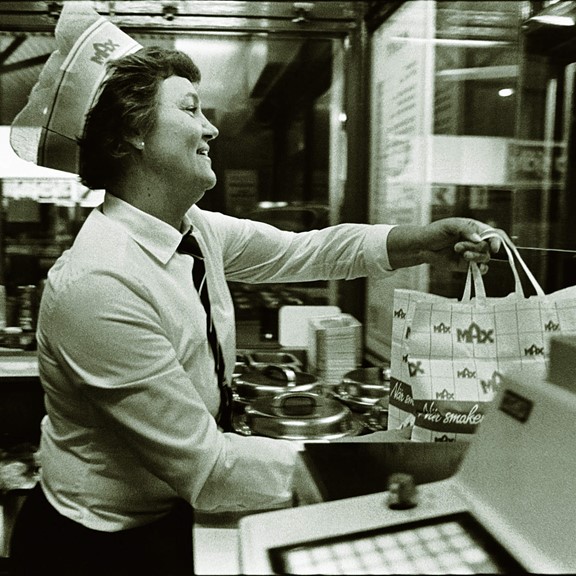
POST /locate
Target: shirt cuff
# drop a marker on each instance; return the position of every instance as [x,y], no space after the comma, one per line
[376,250]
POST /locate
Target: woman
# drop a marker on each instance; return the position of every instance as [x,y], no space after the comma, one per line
[131,441]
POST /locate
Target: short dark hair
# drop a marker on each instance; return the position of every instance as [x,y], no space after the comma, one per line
[125,107]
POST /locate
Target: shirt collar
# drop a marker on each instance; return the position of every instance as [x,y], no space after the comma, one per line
[156,236]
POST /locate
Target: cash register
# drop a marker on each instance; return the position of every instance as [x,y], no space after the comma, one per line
[510,506]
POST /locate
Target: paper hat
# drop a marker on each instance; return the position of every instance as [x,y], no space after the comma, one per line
[46,130]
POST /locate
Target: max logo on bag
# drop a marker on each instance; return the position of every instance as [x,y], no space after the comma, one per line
[475,333]
[442,328]
[551,327]
[466,373]
[534,351]
[492,385]
[399,313]
[413,367]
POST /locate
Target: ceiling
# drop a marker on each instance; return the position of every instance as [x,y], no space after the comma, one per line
[243,49]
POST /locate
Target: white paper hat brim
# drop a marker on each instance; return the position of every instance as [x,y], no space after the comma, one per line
[46,130]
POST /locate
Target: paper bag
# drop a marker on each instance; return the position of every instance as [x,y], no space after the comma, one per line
[448,356]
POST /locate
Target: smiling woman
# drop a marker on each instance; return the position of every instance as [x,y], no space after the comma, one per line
[159,148]
[126,112]
[175,157]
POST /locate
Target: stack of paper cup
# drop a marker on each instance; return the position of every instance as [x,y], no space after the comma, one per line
[334,347]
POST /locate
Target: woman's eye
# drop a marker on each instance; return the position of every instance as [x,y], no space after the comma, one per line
[192,109]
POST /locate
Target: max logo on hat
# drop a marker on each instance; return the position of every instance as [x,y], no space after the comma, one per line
[46,130]
[103,51]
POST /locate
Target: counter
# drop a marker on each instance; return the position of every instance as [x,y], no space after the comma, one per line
[15,363]
[326,472]
[215,536]
[216,544]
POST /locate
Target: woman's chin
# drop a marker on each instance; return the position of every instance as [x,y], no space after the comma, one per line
[210,183]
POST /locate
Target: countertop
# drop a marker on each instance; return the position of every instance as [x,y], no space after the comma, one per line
[17,363]
[331,471]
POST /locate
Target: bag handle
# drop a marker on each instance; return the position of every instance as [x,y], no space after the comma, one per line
[474,277]
[509,244]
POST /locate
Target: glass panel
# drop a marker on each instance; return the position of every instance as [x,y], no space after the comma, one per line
[476,70]
[514,90]
[444,111]
[543,205]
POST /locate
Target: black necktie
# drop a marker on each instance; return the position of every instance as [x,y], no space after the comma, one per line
[189,245]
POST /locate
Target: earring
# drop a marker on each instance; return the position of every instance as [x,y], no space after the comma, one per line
[141,145]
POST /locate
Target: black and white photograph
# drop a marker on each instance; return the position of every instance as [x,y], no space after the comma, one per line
[287,287]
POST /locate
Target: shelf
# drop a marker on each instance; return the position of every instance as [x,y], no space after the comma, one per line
[15,363]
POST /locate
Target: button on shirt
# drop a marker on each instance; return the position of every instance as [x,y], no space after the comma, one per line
[131,390]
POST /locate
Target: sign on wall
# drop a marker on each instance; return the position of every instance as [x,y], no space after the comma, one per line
[402,122]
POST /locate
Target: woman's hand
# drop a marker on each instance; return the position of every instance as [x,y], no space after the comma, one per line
[444,242]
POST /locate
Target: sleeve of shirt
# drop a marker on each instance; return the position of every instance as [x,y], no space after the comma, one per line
[116,351]
[258,252]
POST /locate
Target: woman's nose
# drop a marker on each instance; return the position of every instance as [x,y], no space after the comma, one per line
[210,131]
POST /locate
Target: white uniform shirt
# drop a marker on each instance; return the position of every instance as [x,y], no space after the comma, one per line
[131,390]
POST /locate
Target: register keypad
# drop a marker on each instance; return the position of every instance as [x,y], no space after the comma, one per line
[456,544]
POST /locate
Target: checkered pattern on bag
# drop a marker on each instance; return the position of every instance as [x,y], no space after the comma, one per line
[449,356]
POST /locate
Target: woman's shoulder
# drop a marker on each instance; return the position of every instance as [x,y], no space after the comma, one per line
[215,225]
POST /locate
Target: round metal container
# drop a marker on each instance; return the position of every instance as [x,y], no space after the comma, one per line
[362,388]
[272,380]
[240,368]
[299,416]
